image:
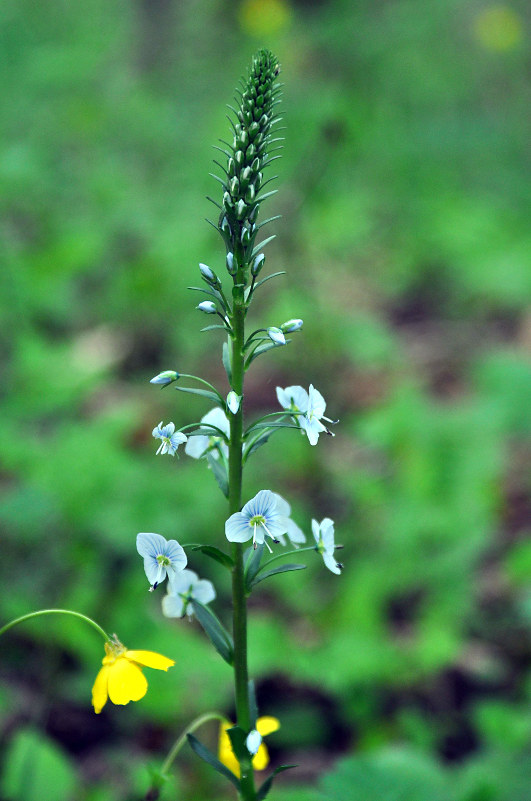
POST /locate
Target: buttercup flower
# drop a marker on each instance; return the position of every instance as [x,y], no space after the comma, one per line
[170,439]
[198,446]
[121,678]
[183,588]
[165,378]
[258,518]
[264,726]
[161,558]
[324,537]
[295,534]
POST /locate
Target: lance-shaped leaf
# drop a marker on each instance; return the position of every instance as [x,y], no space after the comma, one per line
[253,565]
[268,278]
[207,756]
[237,739]
[266,787]
[215,553]
[215,631]
[220,473]
[226,361]
[204,393]
[253,706]
[282,569]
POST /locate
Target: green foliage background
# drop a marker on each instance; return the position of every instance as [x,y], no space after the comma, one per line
[405,196]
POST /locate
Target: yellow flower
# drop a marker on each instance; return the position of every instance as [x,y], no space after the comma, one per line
[265,725]
[121,678]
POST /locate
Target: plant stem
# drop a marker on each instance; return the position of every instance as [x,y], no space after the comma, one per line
[239,599]
[56,612]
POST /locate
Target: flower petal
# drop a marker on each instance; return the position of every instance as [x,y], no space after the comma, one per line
[150,659]
[196,446]
[176,555]
[237,528]
[330,562]
[295,534]
[225,752]
[182,581]
[261,760]
[317,403]
[283,507]
[149,544]
[172,605]
[99,690]
[267,725]
[204,591]
[126,682]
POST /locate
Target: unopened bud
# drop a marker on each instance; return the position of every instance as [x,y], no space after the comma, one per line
[291,325]
[233,401]
[165,378]
[208,274]
[207,306]
[257,264]
[276,335]
[231,265]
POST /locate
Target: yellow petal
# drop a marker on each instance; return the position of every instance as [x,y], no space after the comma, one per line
[150,659]
[225,753]
[261,758]
[126,682]
[99,690]
[267,725]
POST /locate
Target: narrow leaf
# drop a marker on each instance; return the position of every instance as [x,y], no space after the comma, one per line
[204,393]
[269,220]
[204,289]
[253,566]
[207,756]
[220,473]
[237,739]
[262,245]
[282,569]
[226,361]
[268,277]
[215,631]
[266,787]
[212,327]
[216,554]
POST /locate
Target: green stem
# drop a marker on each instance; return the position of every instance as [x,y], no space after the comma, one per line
[180,741]
[56,612]
[239,599]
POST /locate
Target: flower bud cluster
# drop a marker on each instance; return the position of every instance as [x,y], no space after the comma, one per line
[247,158]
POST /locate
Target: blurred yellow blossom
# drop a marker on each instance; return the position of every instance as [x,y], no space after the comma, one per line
[264,17]
[264,726]
[498,28]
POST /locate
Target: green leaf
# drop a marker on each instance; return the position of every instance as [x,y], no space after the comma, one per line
[215,631]
[220,473]
[262,349]
[253,565]
[262,244]
[269,219]
[212,327]
[35,768]
[253,706]
[266,786]
[226,361]
[258,442]
[205,290]
[215,553]
[204,393]
[207,756]
[237,738]
[268,278]
[282,569]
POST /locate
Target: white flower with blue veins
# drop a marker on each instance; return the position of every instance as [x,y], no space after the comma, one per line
[293,399]
[258,518]
[295,534]
[170,439]
[162,558]
[184,587]
[199,446]
[323,533]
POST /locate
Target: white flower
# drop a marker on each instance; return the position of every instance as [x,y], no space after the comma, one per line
[161,557]
[293,399]
[198,446]
[311,421]
[183,588]
[294,533]
[258,518]
[170,441]
[323,533]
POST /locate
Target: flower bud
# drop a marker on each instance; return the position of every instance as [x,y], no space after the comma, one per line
[276,335]
[207,306]
[208,274]
[291,325]
[241,209]
[231,264]
[165,378]
[257,264]
[233,401]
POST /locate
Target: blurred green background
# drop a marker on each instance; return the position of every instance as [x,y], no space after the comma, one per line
[405,193]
